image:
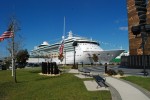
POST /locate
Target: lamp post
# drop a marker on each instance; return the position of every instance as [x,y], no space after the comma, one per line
[65,57]
[74,45]
[74,56]
[142,27]
[144,36]
[38,56]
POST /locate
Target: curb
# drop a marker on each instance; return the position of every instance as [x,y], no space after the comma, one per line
[114,93]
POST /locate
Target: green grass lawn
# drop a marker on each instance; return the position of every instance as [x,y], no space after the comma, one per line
[32,86]
[141,81]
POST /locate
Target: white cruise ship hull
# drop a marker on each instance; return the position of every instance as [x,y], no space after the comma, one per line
[86,57]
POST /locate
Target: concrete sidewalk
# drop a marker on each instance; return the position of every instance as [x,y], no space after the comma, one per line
[126,91]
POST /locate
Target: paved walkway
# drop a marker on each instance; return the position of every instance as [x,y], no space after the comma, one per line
[120,90]
[126,91]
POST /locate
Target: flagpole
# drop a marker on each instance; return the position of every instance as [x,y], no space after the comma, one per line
[13,58]
[64,36]
[13,62]
[12,49]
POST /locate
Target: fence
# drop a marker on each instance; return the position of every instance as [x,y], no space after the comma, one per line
[136,61]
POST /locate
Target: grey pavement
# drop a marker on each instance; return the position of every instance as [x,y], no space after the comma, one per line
[127,71]
[126,91]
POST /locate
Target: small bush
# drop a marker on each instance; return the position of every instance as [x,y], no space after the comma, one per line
[120,72]
[111,72]
[4,67]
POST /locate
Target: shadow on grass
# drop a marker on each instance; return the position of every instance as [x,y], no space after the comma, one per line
[35,71]
[20,82]
[26,81]
[47,77]
[4,88]
[42,78]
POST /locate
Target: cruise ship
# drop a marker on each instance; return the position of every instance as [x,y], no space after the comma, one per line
[86,51]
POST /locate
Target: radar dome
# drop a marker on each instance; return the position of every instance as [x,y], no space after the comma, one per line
[45,43]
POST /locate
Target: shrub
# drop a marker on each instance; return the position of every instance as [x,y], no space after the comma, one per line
[120,72]
[75,66]
[111,72]
[4,67]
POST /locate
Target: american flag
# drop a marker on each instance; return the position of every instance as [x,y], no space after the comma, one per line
[7,34]
[1,39]
[61,48]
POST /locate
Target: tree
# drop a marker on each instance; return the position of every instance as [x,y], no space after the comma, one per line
[61,57]
[18,45]
[7,62]
[21,58]
[95,58]
[18,39]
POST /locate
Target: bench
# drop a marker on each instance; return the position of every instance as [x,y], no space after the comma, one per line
[100,81]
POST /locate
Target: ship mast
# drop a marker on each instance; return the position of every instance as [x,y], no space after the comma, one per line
[63,37]
[64,27]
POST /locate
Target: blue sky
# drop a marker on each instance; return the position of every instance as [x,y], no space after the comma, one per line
[42,20]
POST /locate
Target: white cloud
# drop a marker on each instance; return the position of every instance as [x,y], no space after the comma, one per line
[123,28]
[118,21]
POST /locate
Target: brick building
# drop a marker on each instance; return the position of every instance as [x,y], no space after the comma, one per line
[136,58]
[135,47]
